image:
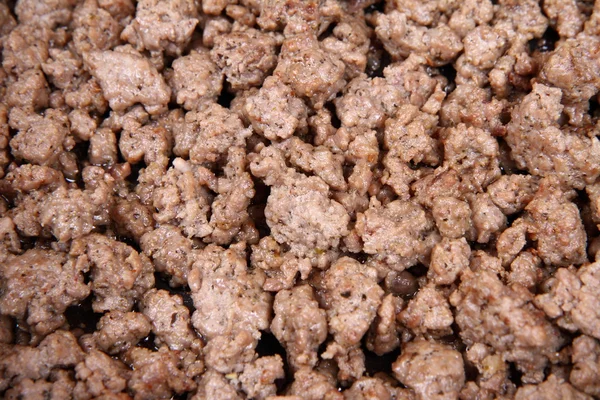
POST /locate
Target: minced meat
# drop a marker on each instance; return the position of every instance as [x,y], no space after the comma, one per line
[299,199]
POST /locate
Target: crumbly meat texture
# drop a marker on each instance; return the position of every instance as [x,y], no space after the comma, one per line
[570,299]
[539,145]
[38,286]
[127,78]
[161,25]
[246,57]
[299,324]
[276,199]
[119,274]
[57,351]
[170,319]
[207,134]
[585,374]
[299,210]
[195,79]
[118,331]
[100,375]
[432,370]
[275,112]
[311,72]
[526,338]
[399,232]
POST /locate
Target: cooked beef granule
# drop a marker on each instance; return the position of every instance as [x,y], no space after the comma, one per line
[299,199]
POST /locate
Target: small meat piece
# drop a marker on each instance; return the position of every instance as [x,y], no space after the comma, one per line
[565,17]
[207,134]
[511,193]
[524,19]
[171,252]
[230,208]
[473,106]
[38,286]
[473,154]
[245,56]
[69,214]
[195,80]
[25,47]
[526,270]
[573,68]
[368,102]
[82,124]
[367,388]
[539,145]
[58,386]
[311,72]
[556,226]
[178,196]
[258,378]
[121,10]
[483,46]
[213,28]
[432,370]
[119,274]
[41,140]
[170,321]
[57,351]
[408,136]
[553,388]
[63,69]
[487,219]
[503,317]
[353,297]
[571,299]
[162,25]
[87,97]
[229,354]
[452,216]
[49,13]
[350,42]
[275,112]
[131,218]
[100,375]
[383,336]
[214,386]
[401,37]
[29,91]
[220,280]
[299,325]
[94,28]
[215,7]
[310,384]
[156,375]
[318,160]
[103,147]
[149,142]
[281,267]
[585,374]
[301,214]
[399,232]
[126,78]
[119,331]
[428,313]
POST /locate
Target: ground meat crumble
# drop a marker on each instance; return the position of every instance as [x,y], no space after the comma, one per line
[289,199]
